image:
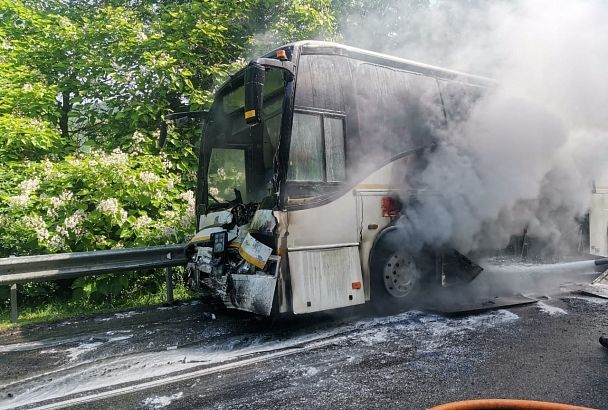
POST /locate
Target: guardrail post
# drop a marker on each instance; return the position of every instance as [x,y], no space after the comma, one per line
[14,312]
[169,286]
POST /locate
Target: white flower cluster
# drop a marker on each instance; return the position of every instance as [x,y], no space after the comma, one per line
[62,231]
[75,162]
[138,137]
[37,224]
[148,177]
[188,196]
[169,214]
[66,196]
[142,222]
[117,157]
[37,125]
[164,159]
[141,36]
[100,241]
[59,201]
[188,218]
[18,200]
[169,232]
[48,168]
[57,242]
[108,206]
[29,185]
[71,224]
[170,182]
[138,140]
[75,221]
[122,216]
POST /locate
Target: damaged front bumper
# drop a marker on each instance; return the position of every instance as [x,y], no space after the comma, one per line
[233,258]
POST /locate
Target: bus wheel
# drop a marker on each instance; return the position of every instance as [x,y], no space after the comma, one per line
[396,276]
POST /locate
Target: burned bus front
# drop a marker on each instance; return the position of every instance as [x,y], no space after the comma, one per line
[234,254]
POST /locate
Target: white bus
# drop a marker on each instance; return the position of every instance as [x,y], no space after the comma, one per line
[303,172]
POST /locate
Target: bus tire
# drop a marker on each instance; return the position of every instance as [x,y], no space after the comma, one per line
[397,277]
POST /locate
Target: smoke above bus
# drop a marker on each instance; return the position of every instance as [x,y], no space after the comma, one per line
[530,149]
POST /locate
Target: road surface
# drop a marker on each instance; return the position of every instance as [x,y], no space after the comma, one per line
[189,357]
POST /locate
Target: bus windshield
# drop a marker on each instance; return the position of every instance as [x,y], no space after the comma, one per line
[239,157]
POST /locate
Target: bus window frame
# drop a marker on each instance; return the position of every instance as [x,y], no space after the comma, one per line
[279,168]
[248,166]
[325,184]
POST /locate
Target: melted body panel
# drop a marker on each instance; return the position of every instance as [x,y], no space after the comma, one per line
[253,293]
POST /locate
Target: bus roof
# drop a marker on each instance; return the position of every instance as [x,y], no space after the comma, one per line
[326,47]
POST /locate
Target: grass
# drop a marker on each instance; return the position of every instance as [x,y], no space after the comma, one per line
[61,309]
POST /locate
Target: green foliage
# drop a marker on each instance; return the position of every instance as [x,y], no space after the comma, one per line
[302,19]
[24,92]
[93,201]
[26,138]
[119,69]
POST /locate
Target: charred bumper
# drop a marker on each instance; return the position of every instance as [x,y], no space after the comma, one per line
[235,262]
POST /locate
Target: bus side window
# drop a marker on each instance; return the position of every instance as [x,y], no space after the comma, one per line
[334,149]
[306,151]
[317,149]
[397,110]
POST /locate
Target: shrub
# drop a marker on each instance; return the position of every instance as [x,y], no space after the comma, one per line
[91,201]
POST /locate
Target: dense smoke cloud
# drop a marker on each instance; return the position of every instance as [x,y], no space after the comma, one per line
[531,147]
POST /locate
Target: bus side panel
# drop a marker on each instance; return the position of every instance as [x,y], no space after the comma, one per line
[329,246]
[322,246]
[283,281]
[325,279]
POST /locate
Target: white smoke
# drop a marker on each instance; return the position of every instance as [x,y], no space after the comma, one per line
[529,151]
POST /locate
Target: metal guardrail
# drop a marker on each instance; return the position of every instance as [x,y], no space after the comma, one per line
[24,269]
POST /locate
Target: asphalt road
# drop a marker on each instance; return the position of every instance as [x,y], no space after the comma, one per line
[192,358]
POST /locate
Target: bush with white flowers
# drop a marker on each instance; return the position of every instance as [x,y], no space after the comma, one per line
[92,201]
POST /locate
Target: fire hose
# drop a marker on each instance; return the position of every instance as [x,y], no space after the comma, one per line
[506,404]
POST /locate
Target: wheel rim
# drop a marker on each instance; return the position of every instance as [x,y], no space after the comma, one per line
[400,275]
